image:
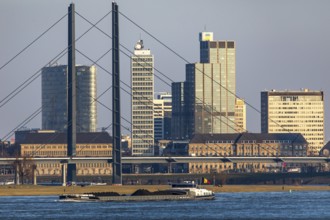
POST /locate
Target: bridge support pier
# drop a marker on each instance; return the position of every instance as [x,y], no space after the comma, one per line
[72,169]
[34,175]
[64,168]
[17,180]
[169,167]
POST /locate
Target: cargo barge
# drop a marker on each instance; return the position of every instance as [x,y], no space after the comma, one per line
[181,191]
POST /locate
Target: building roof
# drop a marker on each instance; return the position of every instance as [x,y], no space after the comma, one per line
[305,92]
[326,147]
[61,138]
[204,138]
[257,137]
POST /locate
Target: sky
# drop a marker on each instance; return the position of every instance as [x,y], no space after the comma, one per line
[280,45]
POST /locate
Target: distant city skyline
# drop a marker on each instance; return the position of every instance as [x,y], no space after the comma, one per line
[280,45]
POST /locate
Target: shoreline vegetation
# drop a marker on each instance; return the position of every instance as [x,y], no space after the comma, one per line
[32,190]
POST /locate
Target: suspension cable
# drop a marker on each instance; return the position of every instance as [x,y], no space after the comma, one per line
[43,33]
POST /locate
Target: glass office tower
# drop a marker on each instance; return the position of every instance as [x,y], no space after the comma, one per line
[54,98]
[211,88]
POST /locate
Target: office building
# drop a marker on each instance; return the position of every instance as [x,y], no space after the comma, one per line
[240,115]
[211,88]
[162,116]
[295,112]
[179,125]
[142,84]
[54,98]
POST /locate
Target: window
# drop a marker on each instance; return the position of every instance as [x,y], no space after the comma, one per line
[222,44]
[213,44]
[230,44]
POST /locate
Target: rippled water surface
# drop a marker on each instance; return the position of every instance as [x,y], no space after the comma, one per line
[269,205]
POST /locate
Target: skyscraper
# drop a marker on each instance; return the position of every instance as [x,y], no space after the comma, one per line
[142,80]
[211,88]
[54,98]
[295,112]
[162,116]
[179,125]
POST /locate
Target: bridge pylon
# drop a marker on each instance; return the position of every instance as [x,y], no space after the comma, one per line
[72,96]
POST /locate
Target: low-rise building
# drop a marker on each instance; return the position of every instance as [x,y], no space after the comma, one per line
[244,144]
[40,144]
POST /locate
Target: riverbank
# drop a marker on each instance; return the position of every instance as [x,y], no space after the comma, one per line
[31,190]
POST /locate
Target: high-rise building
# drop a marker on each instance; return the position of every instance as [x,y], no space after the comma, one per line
[240,115]
[162,116]
[295,112]
[211,88]
[54,98]
[142,83]
[179,125]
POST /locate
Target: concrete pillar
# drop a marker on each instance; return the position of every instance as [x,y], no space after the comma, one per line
[64,165]
[17,181]
[34,176]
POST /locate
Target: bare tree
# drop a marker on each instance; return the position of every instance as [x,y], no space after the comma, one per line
[24,168]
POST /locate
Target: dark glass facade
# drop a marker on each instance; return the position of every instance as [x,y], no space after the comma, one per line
[54,98]
[179,129]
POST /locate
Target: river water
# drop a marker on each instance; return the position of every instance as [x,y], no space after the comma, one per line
[261,205]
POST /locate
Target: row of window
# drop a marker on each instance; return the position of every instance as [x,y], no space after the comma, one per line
[142,70]
[141,79]
[144,129]
[141,65]
[297,112]
[142,84]
[81,152]
[246,147]
[142,88]
[142,59]
[48,147]
[142,117]
[150,99]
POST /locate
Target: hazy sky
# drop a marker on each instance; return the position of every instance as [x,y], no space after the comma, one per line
[279,45]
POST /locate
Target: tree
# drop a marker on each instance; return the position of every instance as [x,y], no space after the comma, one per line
[24,168]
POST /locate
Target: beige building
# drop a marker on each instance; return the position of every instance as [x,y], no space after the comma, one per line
[41,144]
[295,112]
[142,79]
[211,88]
[240,115]
[245,144]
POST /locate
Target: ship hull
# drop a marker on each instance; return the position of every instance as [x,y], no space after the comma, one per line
[82,198]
